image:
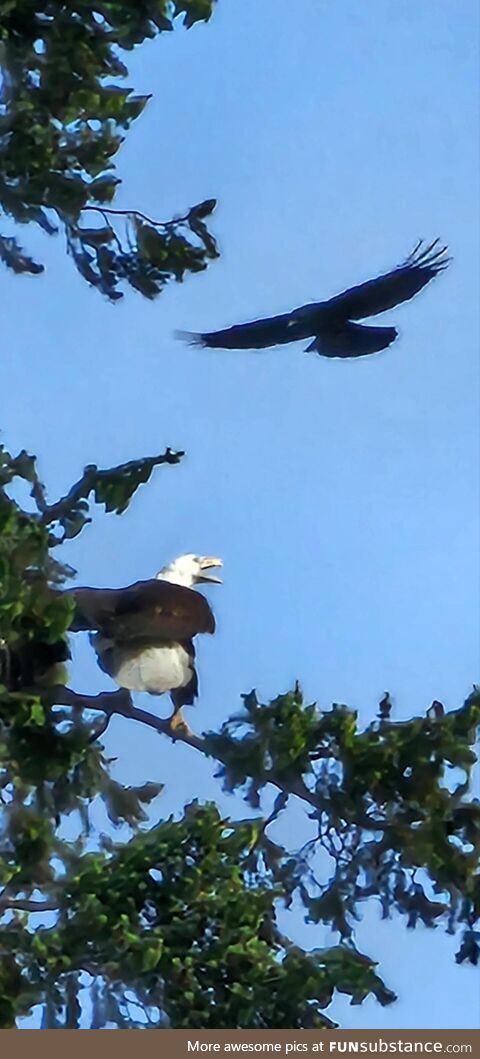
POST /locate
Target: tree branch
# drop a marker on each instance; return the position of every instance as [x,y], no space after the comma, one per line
[53,512]
[23,904]
[120,702]
[136,213]
[39,495]
[108,702]
[90,479]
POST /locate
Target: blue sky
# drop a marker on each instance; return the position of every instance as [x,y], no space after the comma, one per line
[343,497]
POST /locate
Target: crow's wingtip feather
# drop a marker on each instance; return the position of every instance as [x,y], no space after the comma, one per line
[431,256]
[191,337]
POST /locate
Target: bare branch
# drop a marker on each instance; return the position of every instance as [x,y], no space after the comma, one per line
[39,495]
[23,904]
[118,702]
[167,225]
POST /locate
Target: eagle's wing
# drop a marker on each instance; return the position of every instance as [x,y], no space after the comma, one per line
[155,609]
[352,340]
[399,285]
[186,695]
[273,331]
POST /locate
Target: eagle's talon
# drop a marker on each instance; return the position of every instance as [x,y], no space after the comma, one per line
[177,723]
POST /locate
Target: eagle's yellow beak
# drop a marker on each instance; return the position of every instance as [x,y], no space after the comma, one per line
[206,562]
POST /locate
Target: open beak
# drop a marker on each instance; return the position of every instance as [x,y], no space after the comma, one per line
[206,563]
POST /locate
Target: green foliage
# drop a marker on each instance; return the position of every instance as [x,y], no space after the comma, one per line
[384,805]
[146,254]
[191,928]
[33,623]
[62,121]
[34,619]
[34,616]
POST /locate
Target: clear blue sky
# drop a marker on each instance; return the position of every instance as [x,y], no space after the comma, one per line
[343,497]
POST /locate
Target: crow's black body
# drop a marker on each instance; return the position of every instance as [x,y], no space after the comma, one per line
[331,324]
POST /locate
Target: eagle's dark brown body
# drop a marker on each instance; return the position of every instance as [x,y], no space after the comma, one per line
[143,634]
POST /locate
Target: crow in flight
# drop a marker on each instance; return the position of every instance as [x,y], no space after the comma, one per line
[331,323]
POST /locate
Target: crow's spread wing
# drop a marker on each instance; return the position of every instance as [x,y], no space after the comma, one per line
[148,609]
[352,340]
[384,292]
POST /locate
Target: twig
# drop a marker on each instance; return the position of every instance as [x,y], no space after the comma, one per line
[103,212]
[141,216]
[38,493]
[100,730]
[23,904]
[73,1010]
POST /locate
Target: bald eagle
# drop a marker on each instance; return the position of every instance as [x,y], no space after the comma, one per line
[143,634]
[331,323]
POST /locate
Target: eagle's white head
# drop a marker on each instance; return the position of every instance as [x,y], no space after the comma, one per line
[189,570]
